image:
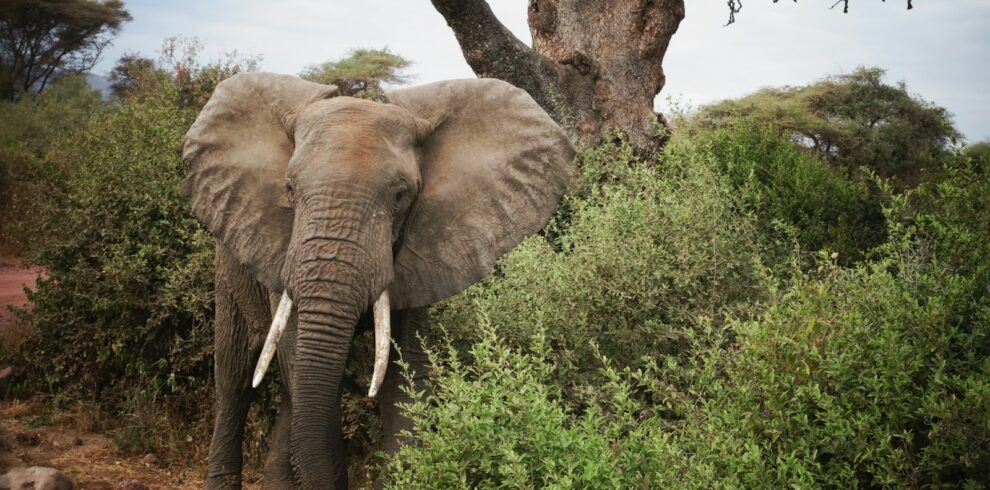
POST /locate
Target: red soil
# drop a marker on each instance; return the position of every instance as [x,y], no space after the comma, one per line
[15,275]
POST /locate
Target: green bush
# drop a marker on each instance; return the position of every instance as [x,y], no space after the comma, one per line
[636,254]
[874,375]
[28,128]
[496,420]
[791,191]
[124,318]
[128,298]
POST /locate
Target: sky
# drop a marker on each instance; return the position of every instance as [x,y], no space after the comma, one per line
[940,48]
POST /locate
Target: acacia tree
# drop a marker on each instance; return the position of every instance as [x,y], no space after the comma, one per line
[593,63]
[361,72]
[850,120]
[40,39]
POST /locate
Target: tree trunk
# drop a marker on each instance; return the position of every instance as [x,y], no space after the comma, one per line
[594,64]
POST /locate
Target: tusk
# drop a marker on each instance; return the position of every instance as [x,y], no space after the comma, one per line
[383,335]
[274,334]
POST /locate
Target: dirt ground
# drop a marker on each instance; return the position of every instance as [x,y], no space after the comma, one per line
[92,461]
[15,275]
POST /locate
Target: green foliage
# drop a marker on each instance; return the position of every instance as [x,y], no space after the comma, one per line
[28,128]
[128,294]
[978,152]
[874,375]
[127,304]
[362,72]
[41,40]
[851,120]
[639,252]
[178,72]
[495,421]
[791,191]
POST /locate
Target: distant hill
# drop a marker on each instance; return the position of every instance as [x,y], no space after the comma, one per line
[100,83]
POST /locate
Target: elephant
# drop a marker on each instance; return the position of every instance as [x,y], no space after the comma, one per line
[342,208]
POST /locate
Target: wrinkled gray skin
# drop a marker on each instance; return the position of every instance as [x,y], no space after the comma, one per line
[335,200]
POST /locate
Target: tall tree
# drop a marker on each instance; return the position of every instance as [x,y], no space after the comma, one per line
[41,39]
[850,120]
[593,63]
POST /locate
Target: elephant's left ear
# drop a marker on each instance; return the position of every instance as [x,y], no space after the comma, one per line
[493,168]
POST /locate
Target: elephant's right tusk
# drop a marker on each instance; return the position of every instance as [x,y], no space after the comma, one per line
[383,341]
[274,334]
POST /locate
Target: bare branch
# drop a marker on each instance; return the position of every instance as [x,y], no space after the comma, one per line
[735,6]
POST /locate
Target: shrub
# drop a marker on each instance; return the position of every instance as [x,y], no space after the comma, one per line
[636,254]
[497,421]
[792,191]
[872,375]
[128,298]
[28,128]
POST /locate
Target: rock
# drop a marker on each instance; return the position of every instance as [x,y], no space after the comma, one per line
[129,484]
[150,459]
[5,372]
[35,478]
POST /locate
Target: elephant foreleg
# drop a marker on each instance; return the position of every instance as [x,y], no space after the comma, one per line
[278,464]
[233,353]
[241,316]
[408,327]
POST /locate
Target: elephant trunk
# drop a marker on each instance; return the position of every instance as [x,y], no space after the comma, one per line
[329,303]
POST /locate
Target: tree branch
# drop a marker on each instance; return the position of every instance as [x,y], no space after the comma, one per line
[491,50]
[736,5]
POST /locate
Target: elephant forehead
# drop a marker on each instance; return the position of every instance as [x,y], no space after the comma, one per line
[358,135]
[371,121]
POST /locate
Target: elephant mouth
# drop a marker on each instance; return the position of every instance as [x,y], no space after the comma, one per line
[383,337]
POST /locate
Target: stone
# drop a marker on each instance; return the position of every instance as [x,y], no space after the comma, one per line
[35,478]
[130,484]
[150,459]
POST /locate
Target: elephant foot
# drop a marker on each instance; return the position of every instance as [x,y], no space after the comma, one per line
[279,485]
[223,482]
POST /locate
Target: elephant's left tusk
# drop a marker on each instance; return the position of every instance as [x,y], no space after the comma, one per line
[274,334]
[383,341]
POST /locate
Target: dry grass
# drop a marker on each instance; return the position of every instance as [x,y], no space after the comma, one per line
[36,436]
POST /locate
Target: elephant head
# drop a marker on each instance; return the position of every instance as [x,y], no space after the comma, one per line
[338,201]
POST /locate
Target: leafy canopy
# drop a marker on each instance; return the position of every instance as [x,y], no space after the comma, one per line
[179,71]
[362,71]
[852,120]
[41,39]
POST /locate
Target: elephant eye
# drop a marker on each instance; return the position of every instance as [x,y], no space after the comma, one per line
[401,194]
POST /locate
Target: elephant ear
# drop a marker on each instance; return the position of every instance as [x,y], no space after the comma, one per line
[493,169]
[237,152]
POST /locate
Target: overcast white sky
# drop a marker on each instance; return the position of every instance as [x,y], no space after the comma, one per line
[940,48]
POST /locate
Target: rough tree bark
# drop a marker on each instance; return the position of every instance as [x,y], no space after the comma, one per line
[594,63]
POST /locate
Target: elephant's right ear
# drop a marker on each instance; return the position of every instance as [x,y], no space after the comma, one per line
[237,152]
